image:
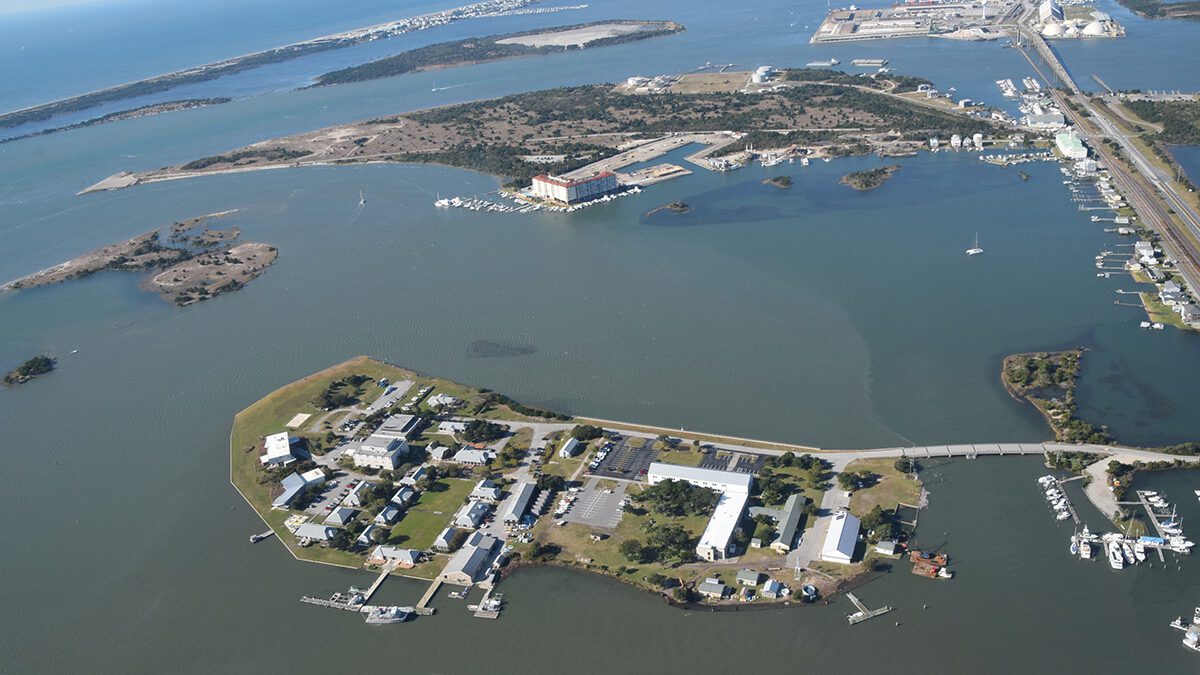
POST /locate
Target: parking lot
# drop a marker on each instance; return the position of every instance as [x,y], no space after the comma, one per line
[625,461]
[596,506]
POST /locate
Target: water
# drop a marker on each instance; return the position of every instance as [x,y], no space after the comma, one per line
[817,315]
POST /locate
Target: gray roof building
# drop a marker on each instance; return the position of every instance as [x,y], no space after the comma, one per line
[340,516]
[445,540]
[293,485]
[787,523]
[517,503]
[471,561]
[315,532]
[748,577]
[712,588]
[387,515]
[471,515]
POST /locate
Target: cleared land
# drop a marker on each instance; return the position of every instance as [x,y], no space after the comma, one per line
[832,112]
[576,37]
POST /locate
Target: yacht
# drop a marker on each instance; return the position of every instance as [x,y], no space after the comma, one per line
[1085,550]
[384,615]
[1115,559]
[1139,552]
[1074,546]
[975,250]
[1130,557]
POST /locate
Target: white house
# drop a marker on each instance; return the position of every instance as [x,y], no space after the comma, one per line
[473,456]
[410,479]
[281,450]
[570,448]
[486,490]
[471,515]
[404,558]
[387,515]
[404,496]
[445,540]
[315,532]
[841,538]
[340,516]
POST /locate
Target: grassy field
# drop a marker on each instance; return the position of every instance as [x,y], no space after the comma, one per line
[892,487]
[684,456]
[1159,312]
[431,514]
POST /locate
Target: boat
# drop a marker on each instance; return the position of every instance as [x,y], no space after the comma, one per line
[945,573]
[1085,550]
[386,615]
[975,250]
[361,199]
[1128,551]
[1139,552]
[1074,546]
[1192,640]
[1115,559]
[869,63]
[1197,492]
[939,559]
[1178,624]
[822,64]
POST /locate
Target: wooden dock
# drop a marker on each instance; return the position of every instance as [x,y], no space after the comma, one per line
[1070,505]
[383,575]
[429,595]
[255,538]
[863,612]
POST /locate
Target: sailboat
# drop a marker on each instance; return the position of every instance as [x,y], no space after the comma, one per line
[361,199]
[975,250]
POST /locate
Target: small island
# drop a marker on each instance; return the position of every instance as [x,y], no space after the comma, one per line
[38,365]
[871,178]
[196,264]
[1047,380]
[677,207]
[781,182]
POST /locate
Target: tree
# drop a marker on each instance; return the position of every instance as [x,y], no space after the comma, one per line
[677,498]
[905,465]
[586,432]
[631,549]
[879,523]
[482,431]
[551,482]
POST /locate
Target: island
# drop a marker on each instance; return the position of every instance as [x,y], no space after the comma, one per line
[195,264]
[871,178]
[586,130]
[475,50]
[1156,9]
[258,59]
[133,113]
[781,182]
[38,365]
[678,207]
[1047,381]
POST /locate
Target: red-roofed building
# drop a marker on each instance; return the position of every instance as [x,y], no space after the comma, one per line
[572,191]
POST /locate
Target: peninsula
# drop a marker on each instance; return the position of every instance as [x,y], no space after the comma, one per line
[194,265]
[133,113]
[871,178]
[822,113]
[471,51]
[366,464]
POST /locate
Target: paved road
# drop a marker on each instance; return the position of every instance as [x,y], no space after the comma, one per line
[832,501]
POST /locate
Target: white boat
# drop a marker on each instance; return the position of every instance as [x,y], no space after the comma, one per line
[1139,552]
[1062,515]
[1195,491]
[1115,559]
[1085,550]
[1128,551]
[1074,546]
[361,199]
[975,250]
[385,615]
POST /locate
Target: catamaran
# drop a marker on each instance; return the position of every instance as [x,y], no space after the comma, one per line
[975,250]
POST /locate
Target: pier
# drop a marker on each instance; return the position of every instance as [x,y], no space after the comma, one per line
[255,538]
[1158,527]
[863,612]
[1070,504]
[423,607]
[383,575]
[1102,83]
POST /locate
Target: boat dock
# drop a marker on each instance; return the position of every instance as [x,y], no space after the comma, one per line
[423,607]
[487,609]
[1159,528]
[255,538]
[863,612]
[1070,505]
[348,603]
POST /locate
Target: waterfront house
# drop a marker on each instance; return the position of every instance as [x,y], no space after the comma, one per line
[748,577]
[471,561]
[569,449]
[387,515]
[887,547]
[315,532]
[471,515]
[1189,313]
[445,541]
[486,491]
[282,450]
[403,558]
[712,588]
[341,515]
[772,589]
[841,538]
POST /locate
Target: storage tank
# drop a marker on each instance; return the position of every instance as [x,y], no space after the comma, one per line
[1053,29]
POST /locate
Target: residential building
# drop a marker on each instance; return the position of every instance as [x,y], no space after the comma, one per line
[1144,250]
[735,492]
[341,515]
[404,496]
[387,515]
[357,494]
[414,474]
[472,456]
[471,562]
[282,449]
[574,190]
[569,448]
[439,452]
[887,547]
[787,522]
[712,588]
[486,491]
[443,401]
[517,503]
[841,538]
[471,515]
[748,577]
[1189,313]
[315,532]
[772,589]
[403,558]
[364,538]
[445,540]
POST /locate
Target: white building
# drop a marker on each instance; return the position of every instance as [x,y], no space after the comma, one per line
[955,141]
[841,538]
[1070,145]
[735,492]
[486,490]
[1050,10]
[1044,121]
[379,452]
[473,456]
[573,191]
[281,449]
[1144,250]
[471,561]
[517,504]
[569,449]
[471,515]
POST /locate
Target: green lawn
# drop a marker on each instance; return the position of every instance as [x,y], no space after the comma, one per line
[892,487]
[431,514]
[685,456]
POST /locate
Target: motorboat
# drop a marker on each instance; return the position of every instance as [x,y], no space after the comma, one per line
[1115,559]
[1085,550]
[1139,552]
[1074,546]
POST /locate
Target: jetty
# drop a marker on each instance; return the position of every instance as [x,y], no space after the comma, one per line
[255,538]
[863,612]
